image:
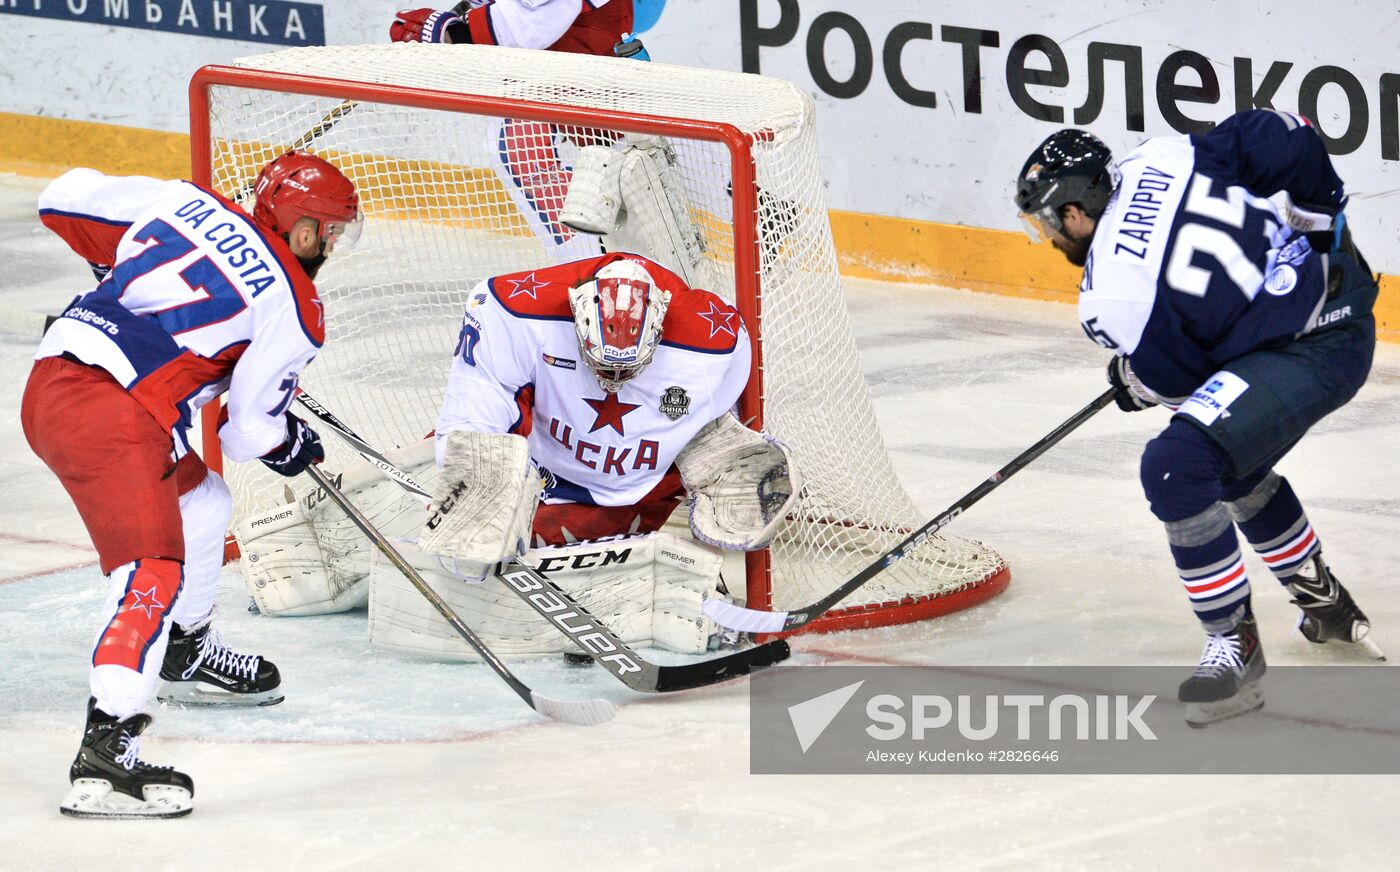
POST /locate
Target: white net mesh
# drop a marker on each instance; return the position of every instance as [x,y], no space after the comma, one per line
[452,197]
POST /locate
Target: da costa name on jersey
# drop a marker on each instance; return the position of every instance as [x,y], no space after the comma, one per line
[235,242]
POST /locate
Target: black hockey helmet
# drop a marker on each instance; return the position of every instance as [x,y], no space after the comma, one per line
[1070,166]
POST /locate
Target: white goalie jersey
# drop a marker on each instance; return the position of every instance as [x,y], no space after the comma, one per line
[525,417]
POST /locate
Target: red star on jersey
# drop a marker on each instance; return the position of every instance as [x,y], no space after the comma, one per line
[146,601]
[527,286]
[721,320]
[609,411]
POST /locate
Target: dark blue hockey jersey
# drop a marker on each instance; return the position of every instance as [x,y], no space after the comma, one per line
[1191,266]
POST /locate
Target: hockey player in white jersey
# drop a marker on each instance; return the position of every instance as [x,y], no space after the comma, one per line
[585,402]
[1250,323]
[199,299]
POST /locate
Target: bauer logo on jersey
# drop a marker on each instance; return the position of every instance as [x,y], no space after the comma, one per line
[561,362]
[675,403]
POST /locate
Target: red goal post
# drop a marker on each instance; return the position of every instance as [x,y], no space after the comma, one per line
[408,146]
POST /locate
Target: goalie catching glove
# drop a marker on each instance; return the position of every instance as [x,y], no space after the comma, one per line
[742,485]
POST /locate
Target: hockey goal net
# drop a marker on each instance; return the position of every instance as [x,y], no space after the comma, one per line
[452,149]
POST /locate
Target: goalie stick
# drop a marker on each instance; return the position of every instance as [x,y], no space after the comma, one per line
[566,615]
[584,712]
[754,621]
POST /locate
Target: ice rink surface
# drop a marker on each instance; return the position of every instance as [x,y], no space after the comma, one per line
[381,762]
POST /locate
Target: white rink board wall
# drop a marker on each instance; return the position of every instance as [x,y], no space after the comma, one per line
[947,98]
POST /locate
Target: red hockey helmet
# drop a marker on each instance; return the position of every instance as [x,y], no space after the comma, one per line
[618,316]
[302,185]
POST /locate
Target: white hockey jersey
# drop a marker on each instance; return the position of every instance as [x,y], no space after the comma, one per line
[577,26]
[199,301]
[517,370]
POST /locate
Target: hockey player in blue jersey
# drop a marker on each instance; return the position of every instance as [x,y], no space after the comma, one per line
[1252,321]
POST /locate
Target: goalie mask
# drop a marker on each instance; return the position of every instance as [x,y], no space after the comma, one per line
[618,316]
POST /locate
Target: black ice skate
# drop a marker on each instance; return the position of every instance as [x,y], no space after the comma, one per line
[1227,681]
[200,670]
[110,780]
[1328,611]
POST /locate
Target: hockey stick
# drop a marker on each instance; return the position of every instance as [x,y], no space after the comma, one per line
[569,617]
[329,120]
[752,620]
[584,712]
[398,476]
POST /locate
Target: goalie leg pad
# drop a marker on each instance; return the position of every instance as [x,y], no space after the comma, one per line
[285,569]
[742,485]
[646,589]
[308,558]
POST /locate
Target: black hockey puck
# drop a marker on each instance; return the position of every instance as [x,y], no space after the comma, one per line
[578,658]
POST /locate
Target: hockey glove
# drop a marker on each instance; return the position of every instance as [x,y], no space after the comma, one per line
[1130,394]
[422,25]
[302,448]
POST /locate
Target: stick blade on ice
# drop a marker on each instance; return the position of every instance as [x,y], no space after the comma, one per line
[580,712]
[726,614]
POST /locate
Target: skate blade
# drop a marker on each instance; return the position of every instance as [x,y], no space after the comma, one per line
[1361,647]
[198,694]
[95,798]
[1200,714]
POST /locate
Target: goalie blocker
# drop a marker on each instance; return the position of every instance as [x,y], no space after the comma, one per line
[306,558]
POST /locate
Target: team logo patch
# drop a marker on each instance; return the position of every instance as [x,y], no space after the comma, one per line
[477,300]
[561,362]
[674,403]
[1282,280]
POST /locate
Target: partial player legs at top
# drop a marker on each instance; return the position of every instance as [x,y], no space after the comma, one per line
[537,176]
